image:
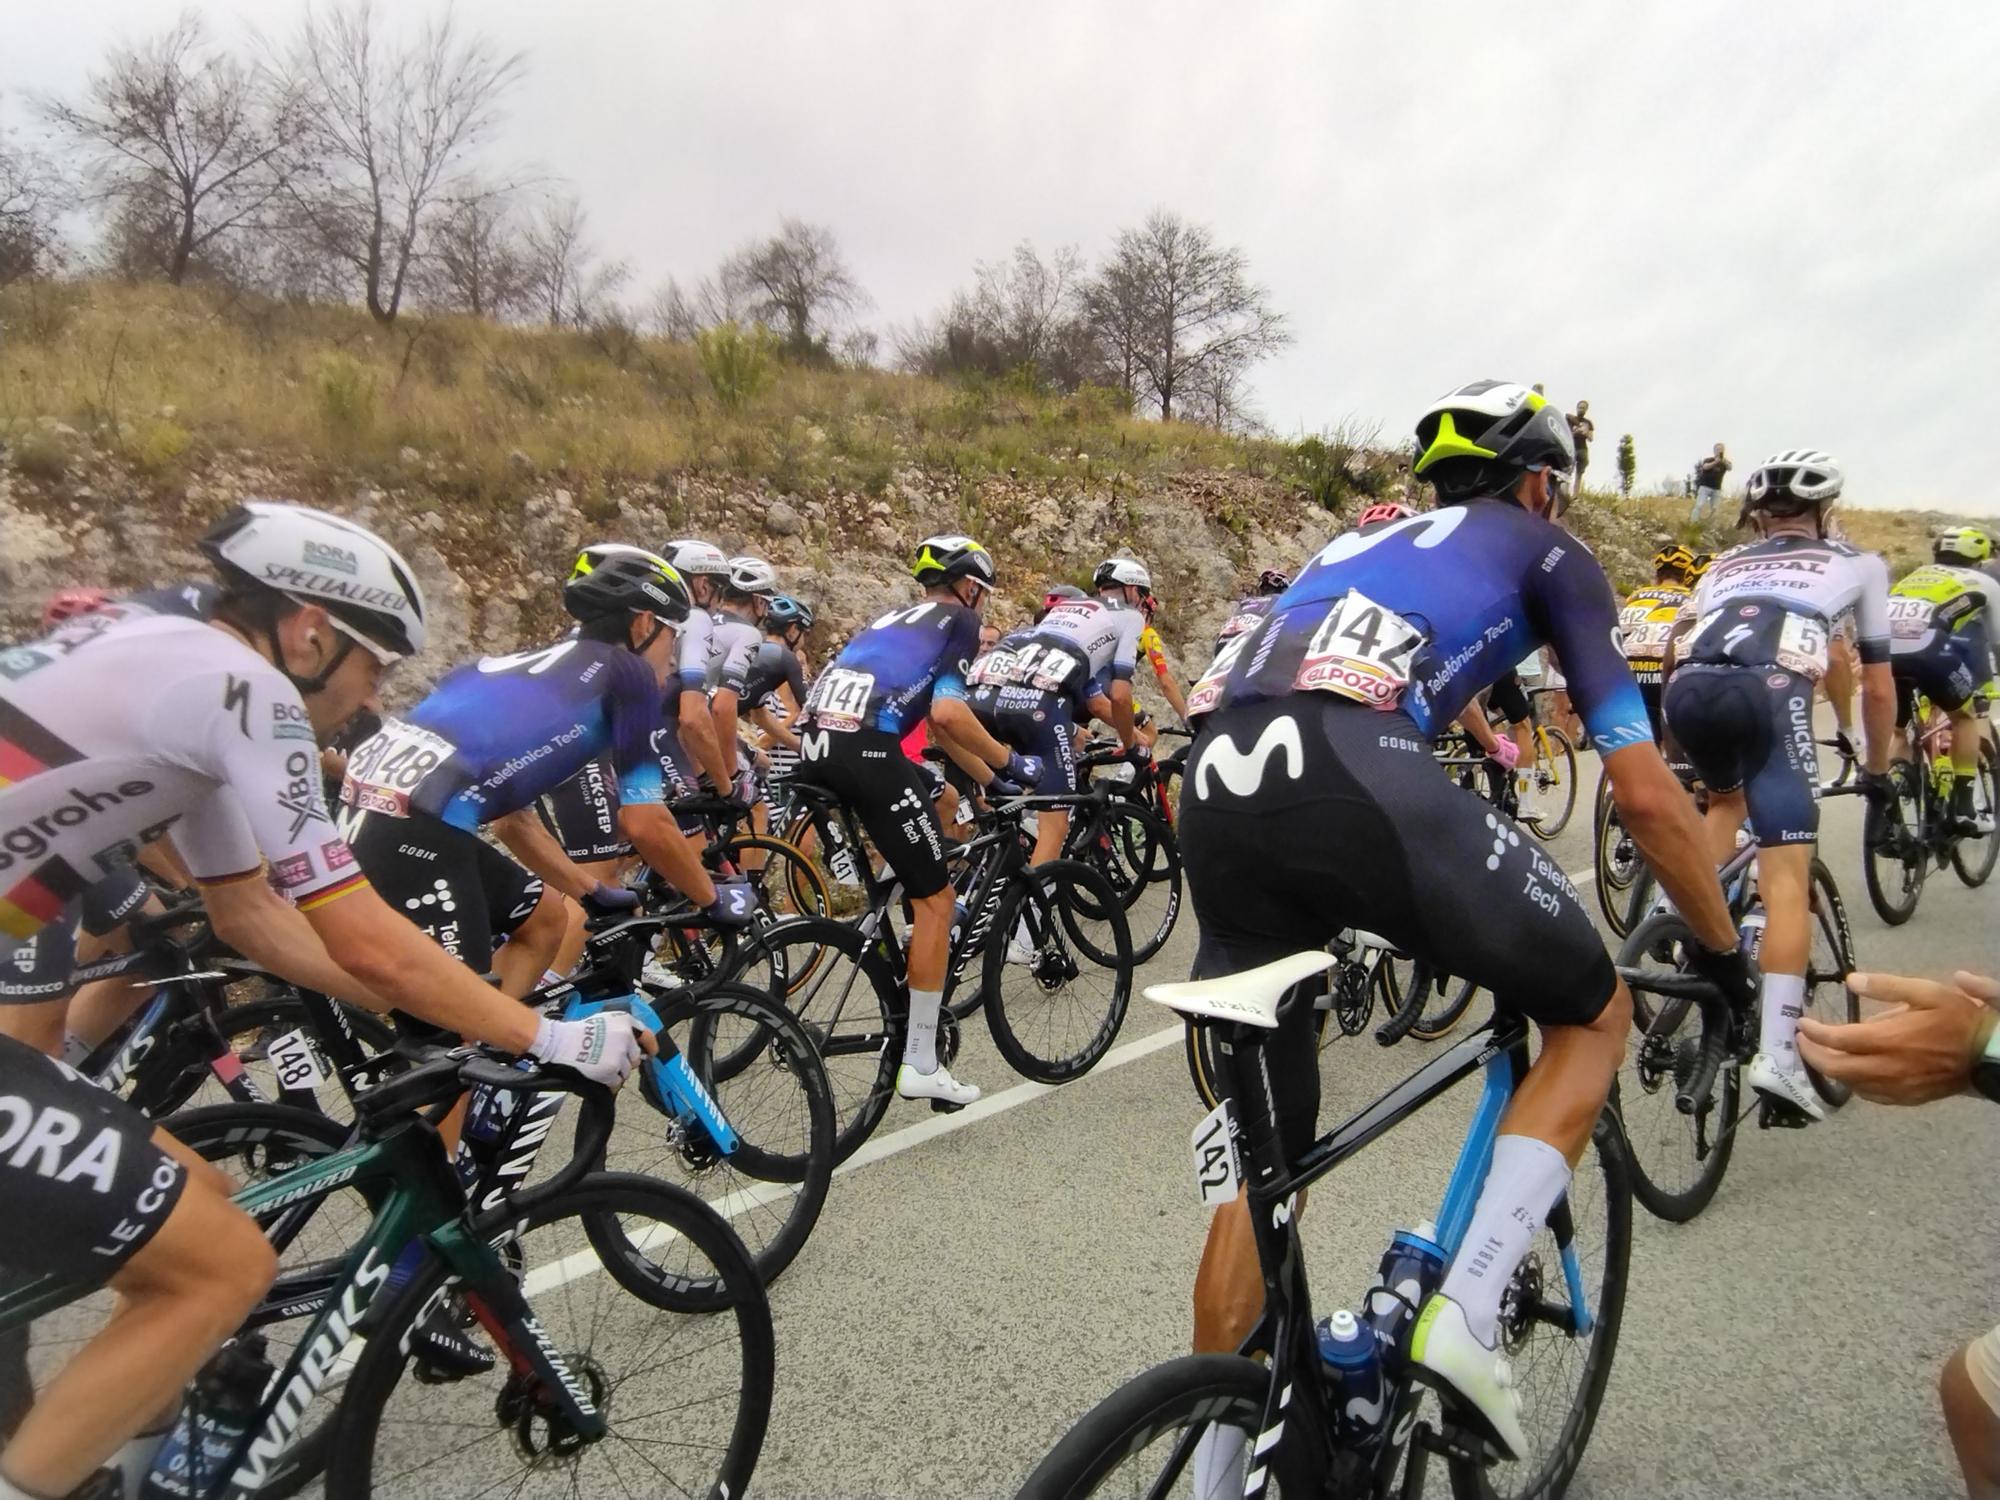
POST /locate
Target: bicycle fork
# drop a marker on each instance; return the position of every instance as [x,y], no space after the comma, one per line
[667,1081]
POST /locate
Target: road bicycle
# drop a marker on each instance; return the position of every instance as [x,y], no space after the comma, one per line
[1045,950]
[1679,1093]
[1118,832]
[1539,793]
[1366,971]
[1559,1319]
[1915,829]
[597,1353]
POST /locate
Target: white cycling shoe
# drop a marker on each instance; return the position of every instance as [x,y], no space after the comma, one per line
[1786,1085]
[1445,1353]
[939,1087]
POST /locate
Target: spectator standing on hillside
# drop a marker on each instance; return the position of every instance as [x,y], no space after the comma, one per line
[1581,431]
[1708,477]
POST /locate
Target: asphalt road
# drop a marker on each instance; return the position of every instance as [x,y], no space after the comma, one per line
[978,1281]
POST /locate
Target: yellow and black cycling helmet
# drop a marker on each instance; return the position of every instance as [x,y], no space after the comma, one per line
[1699,566]
[1965,546]
[942,559]
[610,578]
[1482,437]
[1675,559]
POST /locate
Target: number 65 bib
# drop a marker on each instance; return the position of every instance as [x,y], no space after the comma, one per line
[1362,650]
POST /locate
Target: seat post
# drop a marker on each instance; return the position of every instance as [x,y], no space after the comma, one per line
[1248,1069]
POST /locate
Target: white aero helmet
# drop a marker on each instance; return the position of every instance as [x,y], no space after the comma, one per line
[1119,571]
[1794,481]
[752,575]
[315,558]
[692,556]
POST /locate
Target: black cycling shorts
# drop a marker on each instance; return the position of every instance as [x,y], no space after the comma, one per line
[1306,815]
[1507,698]
[582,815]
[460,889]
[1954,666]
[890,794]
[1047,729]
[1751,729]
[40,968]
[82,1186]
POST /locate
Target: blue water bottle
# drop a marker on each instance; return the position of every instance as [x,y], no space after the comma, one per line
[1412,1267]
[1354,1374]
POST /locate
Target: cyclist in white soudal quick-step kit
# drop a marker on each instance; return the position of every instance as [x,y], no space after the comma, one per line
[1312,803]
[906,667]
[1739,700]
[204,733]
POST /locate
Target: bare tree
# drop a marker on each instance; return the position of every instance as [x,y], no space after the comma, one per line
[1024,312]
[683,313]
[796,280]
[567,282]
[1178,311]
[181,138]
[32,194]
[388,133]
[478,261]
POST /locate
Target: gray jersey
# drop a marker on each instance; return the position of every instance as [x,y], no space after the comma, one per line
[1104,633]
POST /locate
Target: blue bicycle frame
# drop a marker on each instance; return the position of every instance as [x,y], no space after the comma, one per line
[673,1081]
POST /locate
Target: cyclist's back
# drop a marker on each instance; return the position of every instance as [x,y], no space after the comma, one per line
[1942,624]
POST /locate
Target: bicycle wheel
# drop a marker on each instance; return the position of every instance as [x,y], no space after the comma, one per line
[1578,1263]
[787,882]
[1548,787]
[851,1003]
[1828,963]
[687,1396]
[1894,874]
[1973,858]
[1141,860]
[1615,859]
[1058,971]
[1140,1439]
[249,1029]
[822,843]
[1446,999]
[772,1185]
[1677,1160]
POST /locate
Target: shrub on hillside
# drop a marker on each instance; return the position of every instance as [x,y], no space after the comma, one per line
[737,361]
[345,390]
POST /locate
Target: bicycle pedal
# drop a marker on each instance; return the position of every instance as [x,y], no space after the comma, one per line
[1773,1115]
[945,1107]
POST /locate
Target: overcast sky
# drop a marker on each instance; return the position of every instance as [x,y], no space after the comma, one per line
[1775,224]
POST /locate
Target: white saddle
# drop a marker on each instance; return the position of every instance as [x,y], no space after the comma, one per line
[1250,998]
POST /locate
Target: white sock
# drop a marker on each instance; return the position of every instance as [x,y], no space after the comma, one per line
[1526,1179]
[1219,1463]
[920,1041]
[549,977]
[1784,1002]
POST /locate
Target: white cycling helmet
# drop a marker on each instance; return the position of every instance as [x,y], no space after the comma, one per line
[691,556]
[1793,482]
[752,575]
[1116,572]
[357,578]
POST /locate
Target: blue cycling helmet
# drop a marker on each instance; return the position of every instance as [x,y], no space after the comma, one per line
[784,610]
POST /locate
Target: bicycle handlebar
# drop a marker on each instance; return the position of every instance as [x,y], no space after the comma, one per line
[1714,1009]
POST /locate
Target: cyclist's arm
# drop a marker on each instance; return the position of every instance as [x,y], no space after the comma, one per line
[958,732]
[360,937]
[642,815]
[1871,645]
[1121,710]
[1476,724]
[779,732]
[660,842]
[522,835]
[1164,670]
[1662,820]
[699,737]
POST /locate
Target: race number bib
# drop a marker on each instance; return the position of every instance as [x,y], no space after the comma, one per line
[296,1059]
[1645,634]
[1216,1175]
[840,699]
[1043,668]
[992,670]
[1206,693]
[1362,651]
[1909,619]
[390,764]
[1802,646]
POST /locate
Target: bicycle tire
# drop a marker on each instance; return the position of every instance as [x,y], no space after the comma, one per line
[1829,961]
[466,1404]
[1660,1055]
[1194,1391]
[183,1070]
[1895,876]
[1455,995]
[1975,872]
[1528,1479]
[1141,860]
[801,889]
[1615,859]
[774,1184]
[853,1005]
[1561,773]
[1078,929]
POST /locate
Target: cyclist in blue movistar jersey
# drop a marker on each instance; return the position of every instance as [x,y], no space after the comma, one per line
[908,666]
[1312,804]
[491,738]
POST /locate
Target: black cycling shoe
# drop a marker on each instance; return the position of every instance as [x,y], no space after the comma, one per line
[443,1353]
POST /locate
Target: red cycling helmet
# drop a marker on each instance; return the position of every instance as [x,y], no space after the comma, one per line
[1387,510]
[1271,581]
[67,604]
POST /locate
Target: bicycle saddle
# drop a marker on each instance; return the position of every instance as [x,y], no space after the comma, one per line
[1250,998]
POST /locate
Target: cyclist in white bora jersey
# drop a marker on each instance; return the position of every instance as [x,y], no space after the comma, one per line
[203,732]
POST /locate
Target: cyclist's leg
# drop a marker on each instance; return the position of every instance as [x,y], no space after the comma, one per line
[527,918]
[99,1009]
[1716,715]
[35,984]
[1047,731]
[107,1191]
[1969,1391]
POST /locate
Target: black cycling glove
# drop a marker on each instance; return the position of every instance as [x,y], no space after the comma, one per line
[1731,972]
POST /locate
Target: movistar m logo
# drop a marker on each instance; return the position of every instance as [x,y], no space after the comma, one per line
[1242,773]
